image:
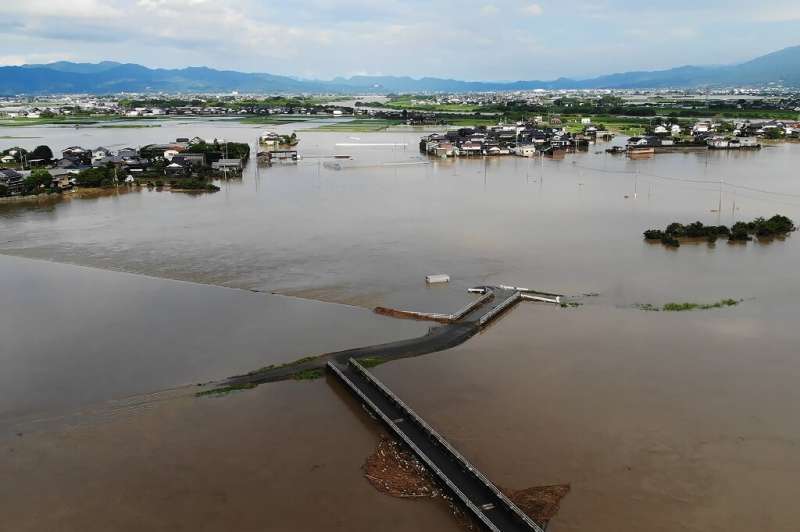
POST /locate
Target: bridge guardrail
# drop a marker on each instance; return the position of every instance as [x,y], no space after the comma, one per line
[502,498]
[477,512]
[514,298]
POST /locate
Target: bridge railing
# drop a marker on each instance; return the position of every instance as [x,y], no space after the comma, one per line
[438,439]
[511,300]
[477,512]
[469,307]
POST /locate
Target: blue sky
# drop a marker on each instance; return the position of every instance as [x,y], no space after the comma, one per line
[476,40]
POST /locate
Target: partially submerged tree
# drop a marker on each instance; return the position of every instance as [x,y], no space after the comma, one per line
[39,181]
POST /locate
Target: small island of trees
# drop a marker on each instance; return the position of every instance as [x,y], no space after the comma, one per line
[777,226]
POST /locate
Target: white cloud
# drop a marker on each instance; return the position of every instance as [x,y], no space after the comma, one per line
[532,10]
[326,38]
[88,9]
[784,14]
[170,4]
[683,33]
[23,59]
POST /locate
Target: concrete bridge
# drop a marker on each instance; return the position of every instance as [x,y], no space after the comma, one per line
[468,486]
[465,483]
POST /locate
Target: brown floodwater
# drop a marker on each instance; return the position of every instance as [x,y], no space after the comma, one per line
[75,336]
[659,421]
[281,457]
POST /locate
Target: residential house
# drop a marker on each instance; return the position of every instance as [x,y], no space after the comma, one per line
[269,139]
[525,150]
[114,160]
[127,153]
[702,127]
[77,153]
[194,160]
[68,163]
[12,180]
[177,169]
[227,164]
[644,141]
[63,179]
[100,153]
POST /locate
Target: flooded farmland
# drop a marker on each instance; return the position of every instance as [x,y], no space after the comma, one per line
[659,421]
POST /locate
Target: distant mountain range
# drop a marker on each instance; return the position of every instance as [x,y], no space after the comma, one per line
[781,67]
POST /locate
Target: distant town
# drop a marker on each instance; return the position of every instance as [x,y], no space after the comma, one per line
[775,103]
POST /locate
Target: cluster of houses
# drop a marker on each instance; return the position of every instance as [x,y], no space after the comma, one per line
[172,160]
[522,139]
[713,135]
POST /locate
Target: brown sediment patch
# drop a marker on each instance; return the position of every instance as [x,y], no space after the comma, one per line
[394,470]
[540,503]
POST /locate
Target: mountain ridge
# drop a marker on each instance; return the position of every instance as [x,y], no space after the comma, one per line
[107,77]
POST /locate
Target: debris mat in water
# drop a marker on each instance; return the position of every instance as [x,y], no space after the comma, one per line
[394,470]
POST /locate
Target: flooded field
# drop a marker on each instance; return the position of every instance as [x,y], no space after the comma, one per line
[659,421]
[76,336]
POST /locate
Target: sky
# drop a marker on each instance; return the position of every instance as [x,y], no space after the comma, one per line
[463,39]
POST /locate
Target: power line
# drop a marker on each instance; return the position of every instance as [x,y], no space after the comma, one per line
[689,180]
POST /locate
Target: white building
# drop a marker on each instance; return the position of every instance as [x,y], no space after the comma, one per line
[528,150]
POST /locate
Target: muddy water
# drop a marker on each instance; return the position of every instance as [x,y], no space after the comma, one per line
[367,234]
[659,421]
[74,336]
[281,457]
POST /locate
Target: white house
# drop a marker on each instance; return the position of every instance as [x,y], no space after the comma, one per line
[701,127]
[525,151]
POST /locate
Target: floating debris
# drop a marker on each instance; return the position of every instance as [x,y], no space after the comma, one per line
[540,503]
[397,472]
[394,470]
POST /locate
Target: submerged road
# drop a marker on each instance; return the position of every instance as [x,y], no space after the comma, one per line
[438,338]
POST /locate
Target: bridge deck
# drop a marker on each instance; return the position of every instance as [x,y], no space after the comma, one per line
[468,485]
